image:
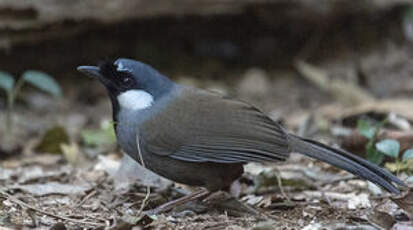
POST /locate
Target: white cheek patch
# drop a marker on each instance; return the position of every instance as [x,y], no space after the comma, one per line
[135,99]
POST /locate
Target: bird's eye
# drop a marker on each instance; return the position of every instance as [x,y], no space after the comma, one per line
[127,80]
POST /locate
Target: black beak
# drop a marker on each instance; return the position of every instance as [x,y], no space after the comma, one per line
[96,72]
[92,71]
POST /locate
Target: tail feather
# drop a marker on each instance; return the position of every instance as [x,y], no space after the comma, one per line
[347,161]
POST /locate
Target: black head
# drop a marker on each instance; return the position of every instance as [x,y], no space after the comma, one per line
[127,74]
[130,84]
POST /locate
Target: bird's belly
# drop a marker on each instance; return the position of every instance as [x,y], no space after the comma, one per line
[213,176]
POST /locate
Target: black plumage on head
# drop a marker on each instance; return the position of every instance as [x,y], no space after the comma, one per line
[109,69]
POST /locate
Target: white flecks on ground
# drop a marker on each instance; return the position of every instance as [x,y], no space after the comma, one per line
[312,226]
[107,164]
[52,188]
[358,201]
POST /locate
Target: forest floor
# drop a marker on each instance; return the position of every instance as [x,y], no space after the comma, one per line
[61,168]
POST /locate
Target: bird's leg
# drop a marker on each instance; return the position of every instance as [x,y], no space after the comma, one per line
[225,201]
[180,201]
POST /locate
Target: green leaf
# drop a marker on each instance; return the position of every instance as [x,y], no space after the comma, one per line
[6,81]
[408,13]
[395,166]
[366,129]
[97,137]
[389,147]
[373,155]
[42,81]
[406,166]
[408,154]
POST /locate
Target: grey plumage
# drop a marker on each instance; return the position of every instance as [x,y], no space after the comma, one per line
[200,138]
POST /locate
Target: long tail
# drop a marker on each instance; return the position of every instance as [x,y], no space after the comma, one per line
[347,161]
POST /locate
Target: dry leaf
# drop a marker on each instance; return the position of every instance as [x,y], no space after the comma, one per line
[405,202]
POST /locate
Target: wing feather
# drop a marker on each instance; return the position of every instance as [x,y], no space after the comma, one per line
[205,127]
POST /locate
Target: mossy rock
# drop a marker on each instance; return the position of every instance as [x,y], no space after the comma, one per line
[52,140]
[269,179]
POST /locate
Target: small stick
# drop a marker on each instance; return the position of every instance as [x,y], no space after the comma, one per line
[278,176]
[22,204]
[148,188]
[86,198]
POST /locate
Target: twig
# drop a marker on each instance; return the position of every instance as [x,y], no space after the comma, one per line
[22,204]
[86,198]
[148,188]
[278,176]
[280,218]
[335,180]
[324,196]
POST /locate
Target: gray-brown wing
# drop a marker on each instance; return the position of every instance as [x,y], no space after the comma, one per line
[205,127]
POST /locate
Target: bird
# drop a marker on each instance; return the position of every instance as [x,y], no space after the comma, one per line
[201,138]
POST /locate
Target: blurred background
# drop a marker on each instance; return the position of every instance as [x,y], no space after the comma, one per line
[334,70]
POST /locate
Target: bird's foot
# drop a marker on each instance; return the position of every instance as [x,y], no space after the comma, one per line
[224,201]
[175,203]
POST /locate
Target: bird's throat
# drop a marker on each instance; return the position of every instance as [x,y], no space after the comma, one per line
[135,100]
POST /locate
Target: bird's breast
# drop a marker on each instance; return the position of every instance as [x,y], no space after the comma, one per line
[127,129]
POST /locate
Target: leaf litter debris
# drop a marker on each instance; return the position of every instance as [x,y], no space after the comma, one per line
[87,197]
[108,191]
